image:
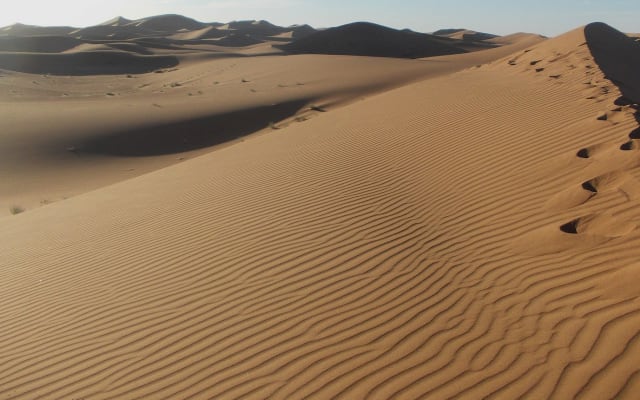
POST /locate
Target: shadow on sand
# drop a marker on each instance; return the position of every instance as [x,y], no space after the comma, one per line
[85,63]
[618,56]
[191,134]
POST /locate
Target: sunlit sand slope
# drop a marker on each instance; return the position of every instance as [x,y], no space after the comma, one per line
[65,135]
[471,236]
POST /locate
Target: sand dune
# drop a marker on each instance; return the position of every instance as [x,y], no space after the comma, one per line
[85,63]
[367,39]
[465,34]
[106,32]
[37,44]
[168,34]
[31,30]
[237,40]
[263,28]
[206,86]
[122,28]
[300,31]
[168,23]
[618,56]
[208,32]
[106,109]
[514,37]
[117,21]
[469,235]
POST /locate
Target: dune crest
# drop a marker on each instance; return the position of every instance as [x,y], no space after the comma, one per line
[618,56]
[368,39]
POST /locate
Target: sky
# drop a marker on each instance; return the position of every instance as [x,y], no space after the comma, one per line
[547,17]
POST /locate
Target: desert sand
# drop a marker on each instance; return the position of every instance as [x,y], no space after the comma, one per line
[248,223]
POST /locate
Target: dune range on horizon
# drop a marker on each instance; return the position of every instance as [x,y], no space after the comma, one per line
[254,219]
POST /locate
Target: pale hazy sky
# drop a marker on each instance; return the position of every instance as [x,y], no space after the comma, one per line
[549,17]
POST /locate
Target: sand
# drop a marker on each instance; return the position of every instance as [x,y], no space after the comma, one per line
[368,39]
[68,134]
[467,234]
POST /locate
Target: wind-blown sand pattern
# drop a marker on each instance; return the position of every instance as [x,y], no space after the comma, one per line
[65,135]
[471,235]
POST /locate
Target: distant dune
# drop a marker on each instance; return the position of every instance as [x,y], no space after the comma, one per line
[108,32]
[514,37]
[168,26]
[38,44]
[301,31]
[168,23]
[117,21]
[208,32]
[31,30]
[367,39]
[115,46]
[93,62]
[262,28]
[464,34]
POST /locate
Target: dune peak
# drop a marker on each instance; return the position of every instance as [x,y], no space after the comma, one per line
[618,55]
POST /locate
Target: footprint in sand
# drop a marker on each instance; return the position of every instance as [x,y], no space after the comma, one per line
[629,146]
[581,193]
[611,162]
[579,233]
[598,225]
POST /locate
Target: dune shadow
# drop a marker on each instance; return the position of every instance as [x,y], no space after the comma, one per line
[37,44]
[372,40]
[618,56]
[191,134]
[85,63]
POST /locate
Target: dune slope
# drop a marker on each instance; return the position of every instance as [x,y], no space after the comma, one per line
[618,56]
[471,236]
[85,63]
[368,39]
[65,135]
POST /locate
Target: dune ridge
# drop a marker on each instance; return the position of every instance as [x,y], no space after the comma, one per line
[109,47]
[367,39]
[94,62]
[393,248]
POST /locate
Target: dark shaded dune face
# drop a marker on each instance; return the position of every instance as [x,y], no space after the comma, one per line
[106,32]
[131,47]
[169,23]
[302,31]
[191,134]
[478,36]
[85,63]
[618,56]
[262,28]
[237,40]
[31,30]
[37,44]
[213,33]
[367,39]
